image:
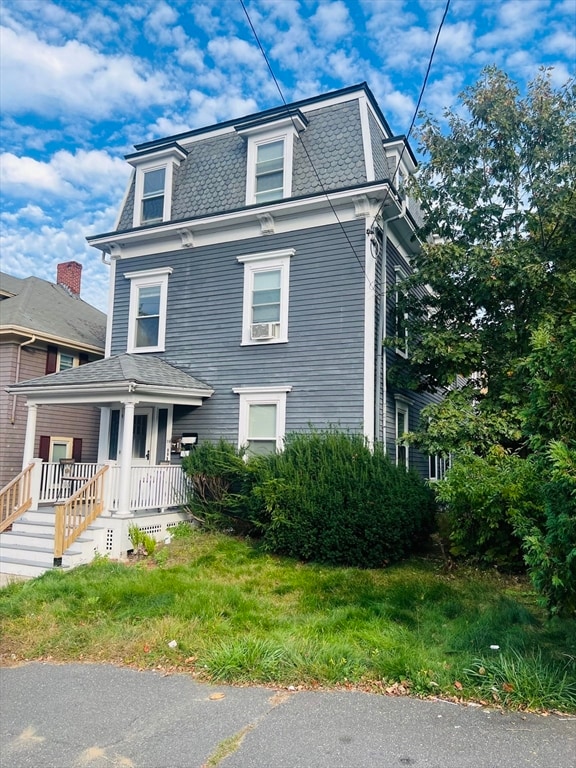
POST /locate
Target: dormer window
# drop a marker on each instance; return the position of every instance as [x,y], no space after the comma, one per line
[153,184]
[269,156]
[153,196]
[269,183]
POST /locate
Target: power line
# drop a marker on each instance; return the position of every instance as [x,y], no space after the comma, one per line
[415,115]
[416,110]
[303,144]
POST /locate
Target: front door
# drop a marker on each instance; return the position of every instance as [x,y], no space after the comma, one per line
[142,437]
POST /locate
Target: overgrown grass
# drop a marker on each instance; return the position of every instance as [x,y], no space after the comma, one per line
[240,615]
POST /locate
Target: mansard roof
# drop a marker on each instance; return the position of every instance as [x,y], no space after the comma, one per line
[271,115]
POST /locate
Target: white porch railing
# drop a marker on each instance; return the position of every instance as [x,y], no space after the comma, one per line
[55,486]
[152,487]
[155,487]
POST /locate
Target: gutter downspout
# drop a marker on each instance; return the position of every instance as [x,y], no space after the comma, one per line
[31,340]
[381,410]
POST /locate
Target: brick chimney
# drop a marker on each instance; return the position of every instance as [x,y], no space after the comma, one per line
[69,275]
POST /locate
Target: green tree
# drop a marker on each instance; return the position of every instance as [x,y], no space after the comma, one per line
[498,268]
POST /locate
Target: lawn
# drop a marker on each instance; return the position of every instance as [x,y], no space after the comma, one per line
[221,609]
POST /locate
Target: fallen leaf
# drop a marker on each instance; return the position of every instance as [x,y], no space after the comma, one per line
[216,696]
[146,648]
[508,687]
[458,685]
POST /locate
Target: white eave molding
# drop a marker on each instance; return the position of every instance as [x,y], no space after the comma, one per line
[183,234]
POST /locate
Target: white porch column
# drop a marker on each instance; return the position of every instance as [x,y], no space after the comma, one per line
[30,434]
[126,460]
[103,437]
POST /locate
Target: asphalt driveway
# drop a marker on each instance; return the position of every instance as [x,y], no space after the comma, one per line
[101,716]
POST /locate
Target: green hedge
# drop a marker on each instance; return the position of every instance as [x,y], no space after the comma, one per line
[328,497]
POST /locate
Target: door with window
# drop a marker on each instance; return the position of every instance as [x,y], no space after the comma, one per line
[142,437]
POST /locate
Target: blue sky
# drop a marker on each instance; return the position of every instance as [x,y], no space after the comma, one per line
[82,81]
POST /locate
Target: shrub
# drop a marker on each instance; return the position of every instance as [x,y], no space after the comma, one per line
[328,497]
[483,497]
[550,544]
[219,478]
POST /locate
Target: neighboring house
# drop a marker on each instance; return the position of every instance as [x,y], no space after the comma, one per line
[253,275]
[45,328]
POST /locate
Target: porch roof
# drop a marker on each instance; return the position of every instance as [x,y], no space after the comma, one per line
[126,377]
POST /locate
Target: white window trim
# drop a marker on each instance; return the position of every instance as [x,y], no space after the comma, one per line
[441,466]
[75,360]
[146,279]
[259,262]
[155,164]
[67,441]
[402,408]
[399,276]
[270,395]
[267,137]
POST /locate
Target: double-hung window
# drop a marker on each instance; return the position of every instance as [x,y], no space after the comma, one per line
[153,182]
[266,289]
[269,173]
[153,191]
[148,304]
[262,419]
[270,148]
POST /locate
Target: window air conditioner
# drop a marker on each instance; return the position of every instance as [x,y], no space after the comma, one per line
[264,331]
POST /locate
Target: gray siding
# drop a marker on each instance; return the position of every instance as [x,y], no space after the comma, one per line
[323,359]
[415,400]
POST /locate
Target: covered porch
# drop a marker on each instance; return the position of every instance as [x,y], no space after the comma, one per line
[136,395]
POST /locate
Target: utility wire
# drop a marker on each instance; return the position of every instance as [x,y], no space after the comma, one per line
[415,115]
[420,97]
[303,144]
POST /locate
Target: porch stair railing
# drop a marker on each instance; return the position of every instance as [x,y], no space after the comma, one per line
[16,497]
[77,513]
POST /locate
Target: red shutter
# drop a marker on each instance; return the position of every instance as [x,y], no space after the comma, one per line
[51,359]
[77,449]
[44,450]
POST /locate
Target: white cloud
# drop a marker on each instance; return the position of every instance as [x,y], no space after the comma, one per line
[30,212]
[26,176]
[456,41]
[72,79]
[233,51]
[332,21]
[66,175]
[160,27]
[516,21]
[37,251]
[345,67]
[208,110]
[561,42]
